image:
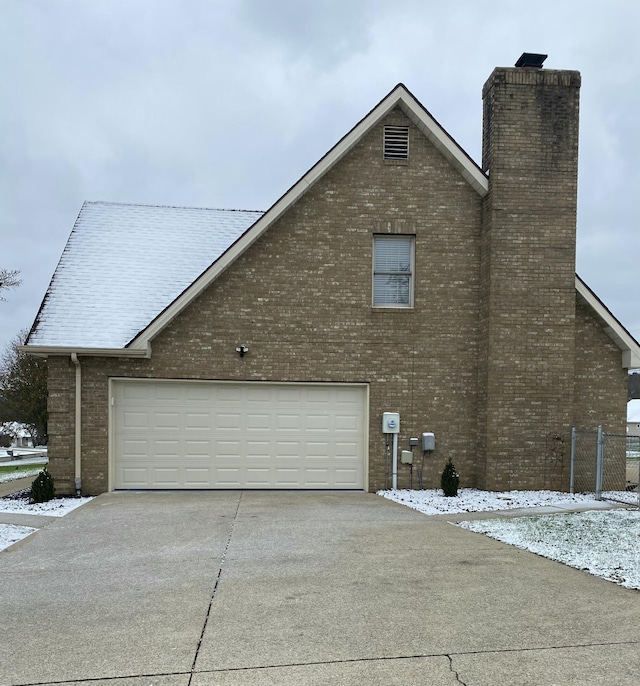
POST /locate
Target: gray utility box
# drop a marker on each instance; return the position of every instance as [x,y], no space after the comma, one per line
[428,441]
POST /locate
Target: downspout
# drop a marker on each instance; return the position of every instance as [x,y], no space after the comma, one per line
[78,424]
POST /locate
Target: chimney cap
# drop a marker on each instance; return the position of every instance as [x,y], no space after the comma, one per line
[531,59]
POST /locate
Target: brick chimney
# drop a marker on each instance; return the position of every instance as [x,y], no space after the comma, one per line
[530,151]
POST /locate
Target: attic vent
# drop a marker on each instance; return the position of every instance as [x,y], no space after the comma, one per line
[396,142]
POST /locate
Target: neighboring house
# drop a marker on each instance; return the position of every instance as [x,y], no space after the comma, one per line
[20,435]
[194,348]
[633,417]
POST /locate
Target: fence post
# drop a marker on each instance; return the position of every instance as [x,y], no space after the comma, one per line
[573,459]
[599,462]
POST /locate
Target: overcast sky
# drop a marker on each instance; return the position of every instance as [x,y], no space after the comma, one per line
[226,103]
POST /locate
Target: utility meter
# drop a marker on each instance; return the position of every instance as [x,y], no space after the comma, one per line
[390,422]
[428,441]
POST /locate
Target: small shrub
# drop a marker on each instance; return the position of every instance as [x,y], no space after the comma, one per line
[42,489]
[450,480]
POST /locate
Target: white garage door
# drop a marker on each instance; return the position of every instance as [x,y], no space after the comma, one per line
[190,434]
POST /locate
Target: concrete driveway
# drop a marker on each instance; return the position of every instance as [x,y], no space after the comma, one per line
[239,588]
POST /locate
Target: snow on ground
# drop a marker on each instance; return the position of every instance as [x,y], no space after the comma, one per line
[432,501]
[58,507]
[12,534]
[605,543]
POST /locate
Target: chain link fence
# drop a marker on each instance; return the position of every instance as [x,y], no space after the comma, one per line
[606,464]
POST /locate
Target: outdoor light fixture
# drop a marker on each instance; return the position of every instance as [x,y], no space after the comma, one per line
[242,350]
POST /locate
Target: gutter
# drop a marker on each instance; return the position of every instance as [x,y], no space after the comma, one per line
[53,350]
[78,425]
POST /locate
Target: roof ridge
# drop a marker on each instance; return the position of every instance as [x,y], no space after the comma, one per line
[169,207]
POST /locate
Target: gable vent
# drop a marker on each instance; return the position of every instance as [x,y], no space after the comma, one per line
[396,142]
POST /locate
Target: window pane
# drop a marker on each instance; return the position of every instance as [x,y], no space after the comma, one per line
[390,289]
[392,254]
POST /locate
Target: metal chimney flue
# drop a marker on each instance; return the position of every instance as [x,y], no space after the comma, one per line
[531,60]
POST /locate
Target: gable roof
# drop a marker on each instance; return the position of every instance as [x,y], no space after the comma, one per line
[123,264]
[153,288]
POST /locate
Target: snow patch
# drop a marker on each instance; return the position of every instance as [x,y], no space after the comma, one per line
[605,544]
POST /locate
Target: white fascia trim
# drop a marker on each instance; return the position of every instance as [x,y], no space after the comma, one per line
[445,144]
[399,96]
[613,328]
[55,350]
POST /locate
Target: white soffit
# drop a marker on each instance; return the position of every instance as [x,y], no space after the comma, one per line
[613,328]
[398,97]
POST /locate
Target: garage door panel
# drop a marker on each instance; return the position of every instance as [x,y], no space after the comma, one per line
[136,420]
[320,449]
[287,422]
[178,434]
[228,478]
[197,478]
[346,478]
[285,449]
[225,421]
[166,421]
[198,420]
[318,422]
[317,478]
[345,450]
[258,477]
[134,447]
[169,448]
[292,395]
[197,449]
[257,422]
[258,450]
[287,476]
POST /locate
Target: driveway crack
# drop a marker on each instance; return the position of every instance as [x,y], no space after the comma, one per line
[215,587]
[454,672]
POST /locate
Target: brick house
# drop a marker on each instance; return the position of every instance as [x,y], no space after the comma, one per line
[215,349]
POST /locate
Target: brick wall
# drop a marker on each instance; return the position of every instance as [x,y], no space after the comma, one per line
[600,381]
[530,148]
[61,423]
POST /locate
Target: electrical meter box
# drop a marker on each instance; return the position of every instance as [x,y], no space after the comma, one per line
[406,457]
[428,441]
[390,423]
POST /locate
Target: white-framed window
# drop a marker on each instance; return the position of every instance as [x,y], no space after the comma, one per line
[396,143]
[393,269]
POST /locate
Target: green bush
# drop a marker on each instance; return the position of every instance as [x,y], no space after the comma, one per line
[42,489]
[450,480]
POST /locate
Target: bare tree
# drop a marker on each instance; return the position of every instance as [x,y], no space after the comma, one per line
[8,279]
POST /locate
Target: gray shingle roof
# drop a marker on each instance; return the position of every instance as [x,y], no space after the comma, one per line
[123,264]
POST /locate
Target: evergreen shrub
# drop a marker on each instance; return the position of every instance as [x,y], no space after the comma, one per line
[42,489]
[450,480]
